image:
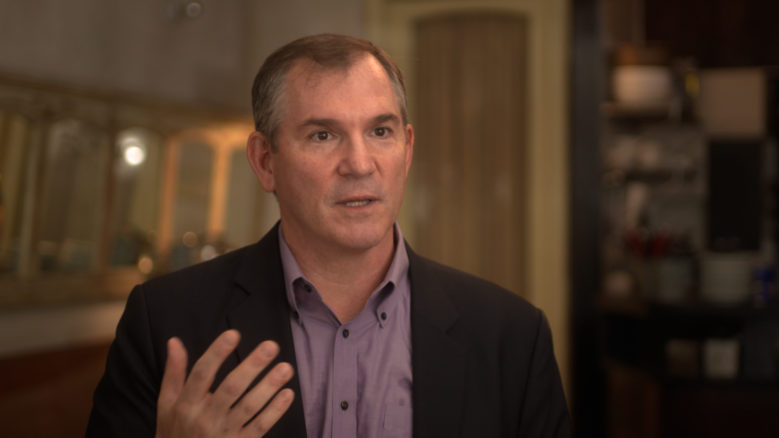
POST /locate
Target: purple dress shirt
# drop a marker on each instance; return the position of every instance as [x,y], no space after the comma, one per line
[355,378]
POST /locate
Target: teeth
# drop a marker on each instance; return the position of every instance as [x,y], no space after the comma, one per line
[357,203]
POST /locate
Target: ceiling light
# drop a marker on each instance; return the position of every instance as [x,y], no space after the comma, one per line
[134,154]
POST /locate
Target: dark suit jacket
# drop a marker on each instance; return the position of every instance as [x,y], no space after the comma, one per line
[482,357]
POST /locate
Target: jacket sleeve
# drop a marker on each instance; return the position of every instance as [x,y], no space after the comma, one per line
[125,401]
[544,409]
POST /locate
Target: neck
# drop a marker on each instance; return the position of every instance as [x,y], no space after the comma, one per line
[344,278]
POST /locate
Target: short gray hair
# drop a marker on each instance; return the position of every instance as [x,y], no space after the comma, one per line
[329,51]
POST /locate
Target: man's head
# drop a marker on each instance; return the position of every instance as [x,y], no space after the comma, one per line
[333,143]
[325,51]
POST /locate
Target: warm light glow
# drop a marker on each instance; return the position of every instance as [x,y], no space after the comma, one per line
[208,252]
[189,239]
[145,265]
[193,9]
[134,154]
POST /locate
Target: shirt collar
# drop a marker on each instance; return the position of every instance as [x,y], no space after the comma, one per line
[397,271]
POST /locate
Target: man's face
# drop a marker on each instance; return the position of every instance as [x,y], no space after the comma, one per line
[342,157]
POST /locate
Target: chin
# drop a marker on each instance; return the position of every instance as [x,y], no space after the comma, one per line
[363,239]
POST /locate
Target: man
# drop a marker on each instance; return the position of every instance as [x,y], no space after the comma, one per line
[370,339]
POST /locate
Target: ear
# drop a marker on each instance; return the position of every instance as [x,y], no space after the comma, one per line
[409,146]
[258,151]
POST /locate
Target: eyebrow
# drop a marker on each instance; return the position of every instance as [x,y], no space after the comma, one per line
[317,122]
[325,122]
[389,117]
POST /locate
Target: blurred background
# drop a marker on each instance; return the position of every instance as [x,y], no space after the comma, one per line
[612,161]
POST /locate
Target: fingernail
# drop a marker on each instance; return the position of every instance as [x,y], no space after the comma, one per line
[268,350]
[283,370]
[231,337]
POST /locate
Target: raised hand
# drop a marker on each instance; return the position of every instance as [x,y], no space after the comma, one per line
[186,407]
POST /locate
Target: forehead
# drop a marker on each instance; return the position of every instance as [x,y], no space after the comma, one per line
[361,86]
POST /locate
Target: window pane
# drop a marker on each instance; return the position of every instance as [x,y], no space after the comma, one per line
[71,212]
[137,173]
[14,156]
[192,202]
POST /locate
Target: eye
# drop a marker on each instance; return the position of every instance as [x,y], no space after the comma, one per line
[382,131]
[321,136]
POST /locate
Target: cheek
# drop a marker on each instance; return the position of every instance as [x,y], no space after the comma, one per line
[303,179]
[400,171]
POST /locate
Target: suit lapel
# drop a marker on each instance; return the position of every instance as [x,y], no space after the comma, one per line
[261,312]
[438,360]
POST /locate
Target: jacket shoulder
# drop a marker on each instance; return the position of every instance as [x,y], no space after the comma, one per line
[199,278]
[468,292]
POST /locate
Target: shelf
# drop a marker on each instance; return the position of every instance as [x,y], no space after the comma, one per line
[686,311]
[738,383]
[660,176]
[622,111]
[668,381]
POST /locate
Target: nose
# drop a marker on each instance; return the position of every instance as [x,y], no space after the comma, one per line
[357,159]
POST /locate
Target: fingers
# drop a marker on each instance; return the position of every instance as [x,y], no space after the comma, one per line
[174,375]
[202,375]
[238,381]
[186,407]
[248,406]
[271,414]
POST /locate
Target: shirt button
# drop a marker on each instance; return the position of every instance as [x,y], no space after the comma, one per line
[344,405]
[345,334]
[383,316]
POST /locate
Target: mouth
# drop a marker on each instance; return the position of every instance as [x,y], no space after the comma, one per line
[357,202]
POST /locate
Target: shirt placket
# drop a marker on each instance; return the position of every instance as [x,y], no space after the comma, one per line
[344,401]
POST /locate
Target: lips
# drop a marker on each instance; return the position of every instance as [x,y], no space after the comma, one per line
[357,201]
